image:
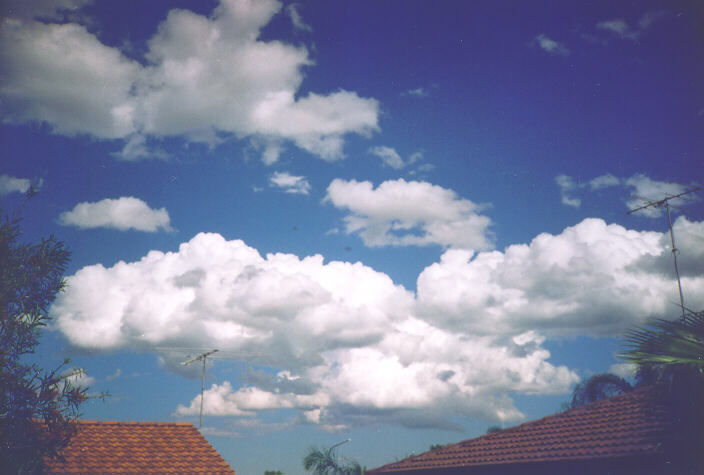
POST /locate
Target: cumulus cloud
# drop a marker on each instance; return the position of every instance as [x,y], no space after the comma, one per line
[567,185]
[342,335]
[593,278]
[123,214]
[349,347]
[645,190]
[401,213]
[290,183]
[10,184]
[551,46]
[202,78]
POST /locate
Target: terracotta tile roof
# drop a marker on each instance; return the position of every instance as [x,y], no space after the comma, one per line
[633,424]
[139,447]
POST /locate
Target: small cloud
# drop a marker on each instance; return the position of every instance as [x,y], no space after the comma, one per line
[115,375]
[551,46]
[296,18]
[646,190]
[620,28]
[290,183]
[616,26]
[123,214]
[388,156]
[625,370]
[417,92]
[604,181]
[10,184]
[567,185]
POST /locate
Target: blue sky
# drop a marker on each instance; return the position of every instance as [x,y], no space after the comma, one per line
[399,222]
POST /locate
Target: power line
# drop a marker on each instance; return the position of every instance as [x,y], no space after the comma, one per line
[665,202]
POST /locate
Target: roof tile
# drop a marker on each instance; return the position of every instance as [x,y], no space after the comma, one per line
[139,447]
[625,425]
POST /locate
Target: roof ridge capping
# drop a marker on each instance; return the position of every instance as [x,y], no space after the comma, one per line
[629,424]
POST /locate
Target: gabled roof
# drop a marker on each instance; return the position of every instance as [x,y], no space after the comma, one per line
[628,425]
[139,447]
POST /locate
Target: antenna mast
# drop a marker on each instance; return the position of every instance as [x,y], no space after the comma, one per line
[202,357]
[665,202]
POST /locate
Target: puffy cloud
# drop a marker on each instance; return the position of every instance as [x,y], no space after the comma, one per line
[10,184]
[290,183]
[349,347]
[567,185]
[61,74]
[617,26]
[123,214]
[203,78]
[402,213]
[342,335]
[646,190]
[389,156]
[592,278]
[551,46]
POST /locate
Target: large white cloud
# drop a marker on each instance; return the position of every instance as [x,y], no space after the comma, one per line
[593,278]
[123,214]
[203,78]
[402,213]
[342,335]
[349,347]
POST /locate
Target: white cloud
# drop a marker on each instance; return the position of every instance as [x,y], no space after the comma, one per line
[123,214]
[620,28]
[646,190]
[617,26]
[604,181]
[389,156]
[402,213]
[10,184]
[551,46]
[296,18]
[342,335]
[352,348]
[567,185]
[417,92]
[593,278]
[290,183]
[203,78]
[61,74]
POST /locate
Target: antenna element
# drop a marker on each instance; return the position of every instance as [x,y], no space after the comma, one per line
[665,202]
[202,357]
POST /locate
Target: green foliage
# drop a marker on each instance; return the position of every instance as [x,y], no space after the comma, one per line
[324,462]
[273,472]
[671,355]
[435,446]
[37,407]
[663,344]
[493,429]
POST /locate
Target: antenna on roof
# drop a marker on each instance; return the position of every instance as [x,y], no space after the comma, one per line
[202,357]
[665,202]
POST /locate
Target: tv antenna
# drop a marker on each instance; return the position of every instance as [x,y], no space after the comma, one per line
[201,357]
[665,203]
